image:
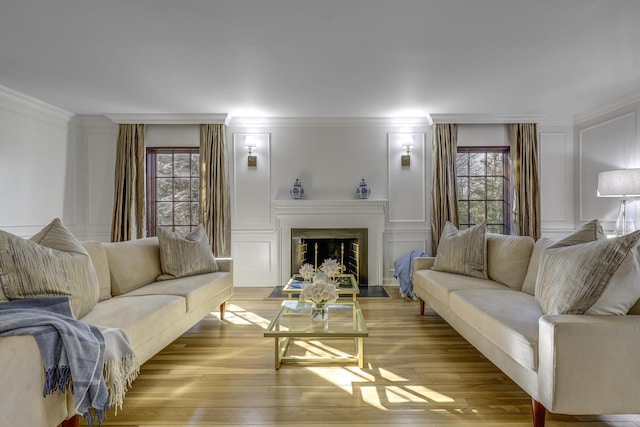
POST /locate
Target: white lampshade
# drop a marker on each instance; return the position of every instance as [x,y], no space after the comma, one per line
[619,183]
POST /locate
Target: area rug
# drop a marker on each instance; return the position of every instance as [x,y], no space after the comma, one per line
[365,292]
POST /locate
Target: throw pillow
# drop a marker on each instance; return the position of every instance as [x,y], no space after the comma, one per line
[51,263]
[185,256]
[588,232]
[462,251]
[571,279]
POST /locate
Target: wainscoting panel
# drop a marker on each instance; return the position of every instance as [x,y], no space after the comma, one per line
[251,196]
[400,243]
[407,183]
[255,260]
[556,181]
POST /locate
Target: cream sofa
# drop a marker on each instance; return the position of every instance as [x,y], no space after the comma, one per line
[568,364]
[152,313]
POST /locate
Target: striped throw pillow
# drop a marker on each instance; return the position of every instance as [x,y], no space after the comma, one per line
[571,279]
[182,256]
[51,263]
[462,251]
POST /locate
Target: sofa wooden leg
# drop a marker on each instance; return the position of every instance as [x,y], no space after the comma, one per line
[539,413]
[223,307]
[421,306]
[71,422]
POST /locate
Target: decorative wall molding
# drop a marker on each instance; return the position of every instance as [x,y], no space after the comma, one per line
[32,107]
[329,121]
[546,120]
[608,108]
[167,119]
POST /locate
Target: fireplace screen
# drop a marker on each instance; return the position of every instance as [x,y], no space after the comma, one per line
[348,246]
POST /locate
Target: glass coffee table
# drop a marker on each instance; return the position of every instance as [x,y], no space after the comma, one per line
[293,323]
[346,284]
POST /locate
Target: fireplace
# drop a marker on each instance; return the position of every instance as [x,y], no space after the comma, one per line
[312,215]
[348,246]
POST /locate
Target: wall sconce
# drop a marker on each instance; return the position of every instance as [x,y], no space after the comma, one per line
[405,159]
[250,145]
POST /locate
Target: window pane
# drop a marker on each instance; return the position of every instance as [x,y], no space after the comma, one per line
[463,212]
[463,188]
[478,189]
[498,229]
[164,213]
[494,188]
[182,213]
[195,189]
[181,164]
[164,164]
[195,165]
[164,189]
[477,212]
[182,189]
[462,164]
[195,213]
[494,164]
[495,214]
[477,166]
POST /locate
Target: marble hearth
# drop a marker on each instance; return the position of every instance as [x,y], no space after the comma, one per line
[332,214]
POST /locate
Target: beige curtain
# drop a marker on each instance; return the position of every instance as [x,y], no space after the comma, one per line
[214,188]
[444,200]
[128,202]
[525,181]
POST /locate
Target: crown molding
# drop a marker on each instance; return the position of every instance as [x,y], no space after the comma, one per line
[167,119]
[608,108]
[328,121]
[25,104]
[502,119]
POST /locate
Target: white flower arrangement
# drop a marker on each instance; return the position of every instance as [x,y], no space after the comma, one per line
[307,271]
[319,293]
[330,267]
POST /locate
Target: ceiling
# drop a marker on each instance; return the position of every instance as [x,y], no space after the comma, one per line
[322,58]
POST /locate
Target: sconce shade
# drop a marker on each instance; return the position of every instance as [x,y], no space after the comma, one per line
[619,183]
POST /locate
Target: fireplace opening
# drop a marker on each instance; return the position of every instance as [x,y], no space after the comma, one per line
[348,246]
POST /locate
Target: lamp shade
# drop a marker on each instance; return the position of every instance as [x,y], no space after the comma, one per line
[619,183]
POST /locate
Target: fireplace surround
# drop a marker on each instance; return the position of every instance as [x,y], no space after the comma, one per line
[331,214]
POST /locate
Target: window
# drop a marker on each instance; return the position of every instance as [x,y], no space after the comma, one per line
[483,187]
[173,189]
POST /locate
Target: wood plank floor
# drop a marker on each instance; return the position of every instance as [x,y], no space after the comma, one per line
[418,372]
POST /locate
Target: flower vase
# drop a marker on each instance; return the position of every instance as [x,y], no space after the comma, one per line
[319,311]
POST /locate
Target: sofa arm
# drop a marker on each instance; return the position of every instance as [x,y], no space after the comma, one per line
[589,364]
[423,263]
[225,264]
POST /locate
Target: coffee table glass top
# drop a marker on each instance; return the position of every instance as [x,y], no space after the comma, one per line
[345,285]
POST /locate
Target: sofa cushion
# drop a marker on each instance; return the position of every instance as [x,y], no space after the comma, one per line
[588,232]
[101,265]
[462,251]
[133,264]
[508,258]
[182,256]
[572,279]
[195,289]
[51,263]
[506,318]
[440,285]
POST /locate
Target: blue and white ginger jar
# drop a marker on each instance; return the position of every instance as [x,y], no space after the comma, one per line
[363,191]
[297,192]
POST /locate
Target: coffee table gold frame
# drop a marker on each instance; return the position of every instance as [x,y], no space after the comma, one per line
[293,323]
[347,285]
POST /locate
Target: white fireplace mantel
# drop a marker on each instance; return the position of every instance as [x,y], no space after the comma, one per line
[369,214]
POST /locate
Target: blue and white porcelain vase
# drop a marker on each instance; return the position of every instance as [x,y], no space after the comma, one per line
[297,192]
[363,191]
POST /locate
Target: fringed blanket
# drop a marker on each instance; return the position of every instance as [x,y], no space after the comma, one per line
[74,353]
[403,270]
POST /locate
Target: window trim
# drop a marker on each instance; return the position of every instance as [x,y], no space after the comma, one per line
[506,171]
[150,178]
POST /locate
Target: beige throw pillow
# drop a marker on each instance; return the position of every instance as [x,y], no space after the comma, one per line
[185,256]
[462,251]
[588,232]
[571,279]
[51,263]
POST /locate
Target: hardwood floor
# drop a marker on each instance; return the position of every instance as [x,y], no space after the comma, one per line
[418,371]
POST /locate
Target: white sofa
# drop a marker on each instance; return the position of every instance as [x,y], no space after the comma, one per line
[568,364]
[152,313]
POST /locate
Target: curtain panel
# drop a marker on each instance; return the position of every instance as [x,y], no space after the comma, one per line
[128,220]
[215,212]
[523,139]
[444,199]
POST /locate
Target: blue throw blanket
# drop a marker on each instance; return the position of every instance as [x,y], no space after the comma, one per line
[403,270]
[72,351]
